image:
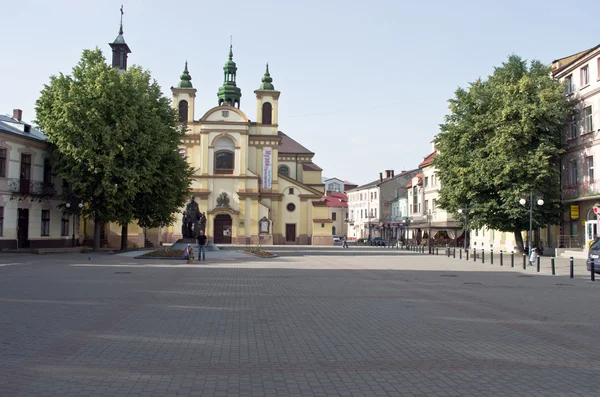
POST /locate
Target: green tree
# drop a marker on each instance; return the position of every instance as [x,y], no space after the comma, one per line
[109,133]
[501,141]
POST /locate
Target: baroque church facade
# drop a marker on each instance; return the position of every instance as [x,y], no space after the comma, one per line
[255,184]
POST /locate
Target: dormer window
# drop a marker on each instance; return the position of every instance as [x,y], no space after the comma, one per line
[27,128]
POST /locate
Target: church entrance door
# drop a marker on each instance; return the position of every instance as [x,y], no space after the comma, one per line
[223,229]
[290,233]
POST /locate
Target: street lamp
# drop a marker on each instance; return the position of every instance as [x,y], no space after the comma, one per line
[466,212]
[522,201]
[68,205]
[429,217]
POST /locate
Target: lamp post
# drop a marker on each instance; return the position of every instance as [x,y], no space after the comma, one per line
[466,212]
[68,205]
[429,216]
[523,201]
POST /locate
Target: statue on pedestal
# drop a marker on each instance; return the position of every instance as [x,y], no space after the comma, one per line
[190,223]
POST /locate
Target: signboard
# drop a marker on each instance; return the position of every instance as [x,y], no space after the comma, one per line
[267,175]
[574,212]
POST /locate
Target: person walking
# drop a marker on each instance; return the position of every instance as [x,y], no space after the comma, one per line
[533,256]
[202,246]
[344,242]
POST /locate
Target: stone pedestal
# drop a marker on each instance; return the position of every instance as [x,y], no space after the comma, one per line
[182,243]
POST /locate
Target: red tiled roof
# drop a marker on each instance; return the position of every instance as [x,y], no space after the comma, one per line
[288,145]
[427,161]
[336,199]
[311,167]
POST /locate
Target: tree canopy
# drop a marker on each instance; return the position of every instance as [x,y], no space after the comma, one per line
[114,138]
[500,142]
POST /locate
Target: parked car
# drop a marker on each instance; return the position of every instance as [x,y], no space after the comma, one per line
[378,241]
[594,256]
[336,239]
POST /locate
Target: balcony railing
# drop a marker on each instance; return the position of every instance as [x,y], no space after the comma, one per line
[22,188]
[584,189]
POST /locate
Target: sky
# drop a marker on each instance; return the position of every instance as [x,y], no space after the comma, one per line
[364,86]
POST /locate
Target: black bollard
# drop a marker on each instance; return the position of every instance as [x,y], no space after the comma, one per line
[474,255]
[501,260]
[512,258]
[593,275]
[491,256]
[538,263]
[454,253]
[482,255]
[572,265]
[524,263]
[460,253]
[553,267]
[467,254]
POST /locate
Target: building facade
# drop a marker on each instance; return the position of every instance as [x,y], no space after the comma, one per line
[255,184]
[337,203]
[581,141]
[30,216]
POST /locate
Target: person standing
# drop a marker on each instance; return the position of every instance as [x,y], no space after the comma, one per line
[344,242]
[189,253]
[202,244]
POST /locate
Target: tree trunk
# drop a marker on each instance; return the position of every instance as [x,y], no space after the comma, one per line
[519,241]
[97,225]
[124,237]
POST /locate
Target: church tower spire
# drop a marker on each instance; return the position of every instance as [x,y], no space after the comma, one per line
[120,49]
[229,93]
[267,104]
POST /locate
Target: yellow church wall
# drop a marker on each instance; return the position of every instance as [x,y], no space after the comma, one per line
[312,177]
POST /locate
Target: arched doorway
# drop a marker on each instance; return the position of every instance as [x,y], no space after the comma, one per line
[223,229]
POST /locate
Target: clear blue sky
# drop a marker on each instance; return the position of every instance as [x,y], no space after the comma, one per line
[363,85]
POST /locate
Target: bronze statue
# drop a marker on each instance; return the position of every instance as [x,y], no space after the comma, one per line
[190,225]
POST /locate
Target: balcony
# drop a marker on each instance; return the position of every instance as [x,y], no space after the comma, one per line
[37,190]
[581,190]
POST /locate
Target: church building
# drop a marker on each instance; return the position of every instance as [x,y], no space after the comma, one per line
[255,184]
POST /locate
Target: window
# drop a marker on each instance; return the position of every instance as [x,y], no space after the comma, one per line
[573,166]
[414,194]
[224,162]
[589,127]
[426,206]
[2,162]
[375,213]
[267,113]
[433,204]
[1,221]
[183,111]
[569,84]
[334,187]
[426,181]
[291,207]
[333,230]
[375,195]
[361,214]
[284,170]
[45,222]
[573,128]
[47,171]
[64,225]
[590,164]
[585,76]
[291,191]
[333,217]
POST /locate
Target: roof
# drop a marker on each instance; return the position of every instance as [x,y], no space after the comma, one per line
[563,63]
[419,181]
[428,160]
[16,127]
[311,167]
[378,182]
[336,199]
[288,145]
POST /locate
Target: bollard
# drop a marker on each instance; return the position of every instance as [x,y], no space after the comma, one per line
[454,253]
[437,251]
[474,255]
[572,267]
[593,268]
[482,255]
[501,260]
[491,256]
[460,253]
[553,267]
[524,262]
[512,258]
[467,254]
[538,263]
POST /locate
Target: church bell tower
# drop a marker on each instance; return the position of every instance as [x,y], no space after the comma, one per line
[267,103]
[229,93]
[120,49]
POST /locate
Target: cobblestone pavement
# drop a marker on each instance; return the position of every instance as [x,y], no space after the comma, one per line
[389,325]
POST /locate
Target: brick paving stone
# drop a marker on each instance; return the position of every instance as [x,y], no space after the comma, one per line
[334,325]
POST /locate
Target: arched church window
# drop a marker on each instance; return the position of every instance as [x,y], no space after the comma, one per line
[224,156]
[284,170]
[183,111]
[267,113]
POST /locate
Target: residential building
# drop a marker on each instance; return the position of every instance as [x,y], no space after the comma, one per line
[399,217]
[370,206]
[337,185]
[581,141]
[337,203]
[29,209]
[426,218]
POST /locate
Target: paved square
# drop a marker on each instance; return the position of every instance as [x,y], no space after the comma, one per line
[357,322]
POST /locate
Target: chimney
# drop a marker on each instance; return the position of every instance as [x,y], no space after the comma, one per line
[392,173]
[381,177]
[17,114]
